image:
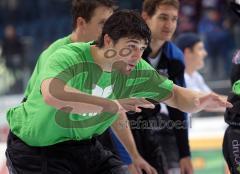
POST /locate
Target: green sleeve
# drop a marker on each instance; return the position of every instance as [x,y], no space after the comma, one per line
[59,65]
[148,83]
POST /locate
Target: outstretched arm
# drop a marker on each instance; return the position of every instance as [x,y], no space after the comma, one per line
[59,95]
[122,129]
[192,101]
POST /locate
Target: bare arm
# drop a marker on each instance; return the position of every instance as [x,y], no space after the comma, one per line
[192,101]
[123,131]
[59,95]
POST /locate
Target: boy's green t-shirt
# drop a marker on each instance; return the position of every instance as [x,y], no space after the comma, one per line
[39,124]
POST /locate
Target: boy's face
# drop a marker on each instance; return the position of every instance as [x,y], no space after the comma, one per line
[197,55]
[94,26]
[128,53]
[163,23]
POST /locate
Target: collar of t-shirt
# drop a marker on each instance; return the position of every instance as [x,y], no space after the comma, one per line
[155,60]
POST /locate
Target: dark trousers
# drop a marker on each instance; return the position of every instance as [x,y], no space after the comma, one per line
[70,157]
[231,149]
[155,143]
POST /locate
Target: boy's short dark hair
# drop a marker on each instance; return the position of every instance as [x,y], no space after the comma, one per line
[187,40]
[85,8]
[125,23]
[150,6]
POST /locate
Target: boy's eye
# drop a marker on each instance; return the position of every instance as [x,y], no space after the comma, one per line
[163,18]
[174,19]
[166,18]
[132,46]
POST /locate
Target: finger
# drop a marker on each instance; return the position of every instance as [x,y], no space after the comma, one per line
[154,171]
[222,103]
[229,105]
[226,103]
[146,169]
[138,170]
[150,106]
[142,102]
[132,108]
[139,101]
[138,109]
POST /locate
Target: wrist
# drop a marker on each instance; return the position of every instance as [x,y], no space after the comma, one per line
[135,156]
[110,106]
[184,153]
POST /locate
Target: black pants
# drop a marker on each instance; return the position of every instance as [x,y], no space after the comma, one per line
[231,149]
[71,157]
[156,144]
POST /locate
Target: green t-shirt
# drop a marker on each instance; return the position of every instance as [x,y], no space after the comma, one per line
[42,59]
[39,124]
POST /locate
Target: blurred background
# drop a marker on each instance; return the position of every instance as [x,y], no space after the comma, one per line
[27,27]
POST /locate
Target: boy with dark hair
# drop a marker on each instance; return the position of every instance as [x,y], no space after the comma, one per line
[24,139]
[88,20]
[166,148]
[56,126]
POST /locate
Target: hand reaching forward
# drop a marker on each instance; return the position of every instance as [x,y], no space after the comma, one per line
[186,166]
[133,104]
[139,165]
[211,101]
[191,101]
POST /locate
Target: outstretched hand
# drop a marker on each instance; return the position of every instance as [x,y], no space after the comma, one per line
[186,165]
[133,104]
[212,101]
[139,165]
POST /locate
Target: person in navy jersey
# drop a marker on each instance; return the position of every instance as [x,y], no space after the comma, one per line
[165,147]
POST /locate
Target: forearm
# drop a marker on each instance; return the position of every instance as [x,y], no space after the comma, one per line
[123,132]
[61,96]
[185,100]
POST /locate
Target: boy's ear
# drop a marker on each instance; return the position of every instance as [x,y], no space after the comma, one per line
[81,24]
[107,40]
[145,16]
[187,51]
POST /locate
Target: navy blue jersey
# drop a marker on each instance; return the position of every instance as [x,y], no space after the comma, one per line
[171,64]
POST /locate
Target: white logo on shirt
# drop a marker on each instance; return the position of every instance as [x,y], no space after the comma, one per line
[100,92]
